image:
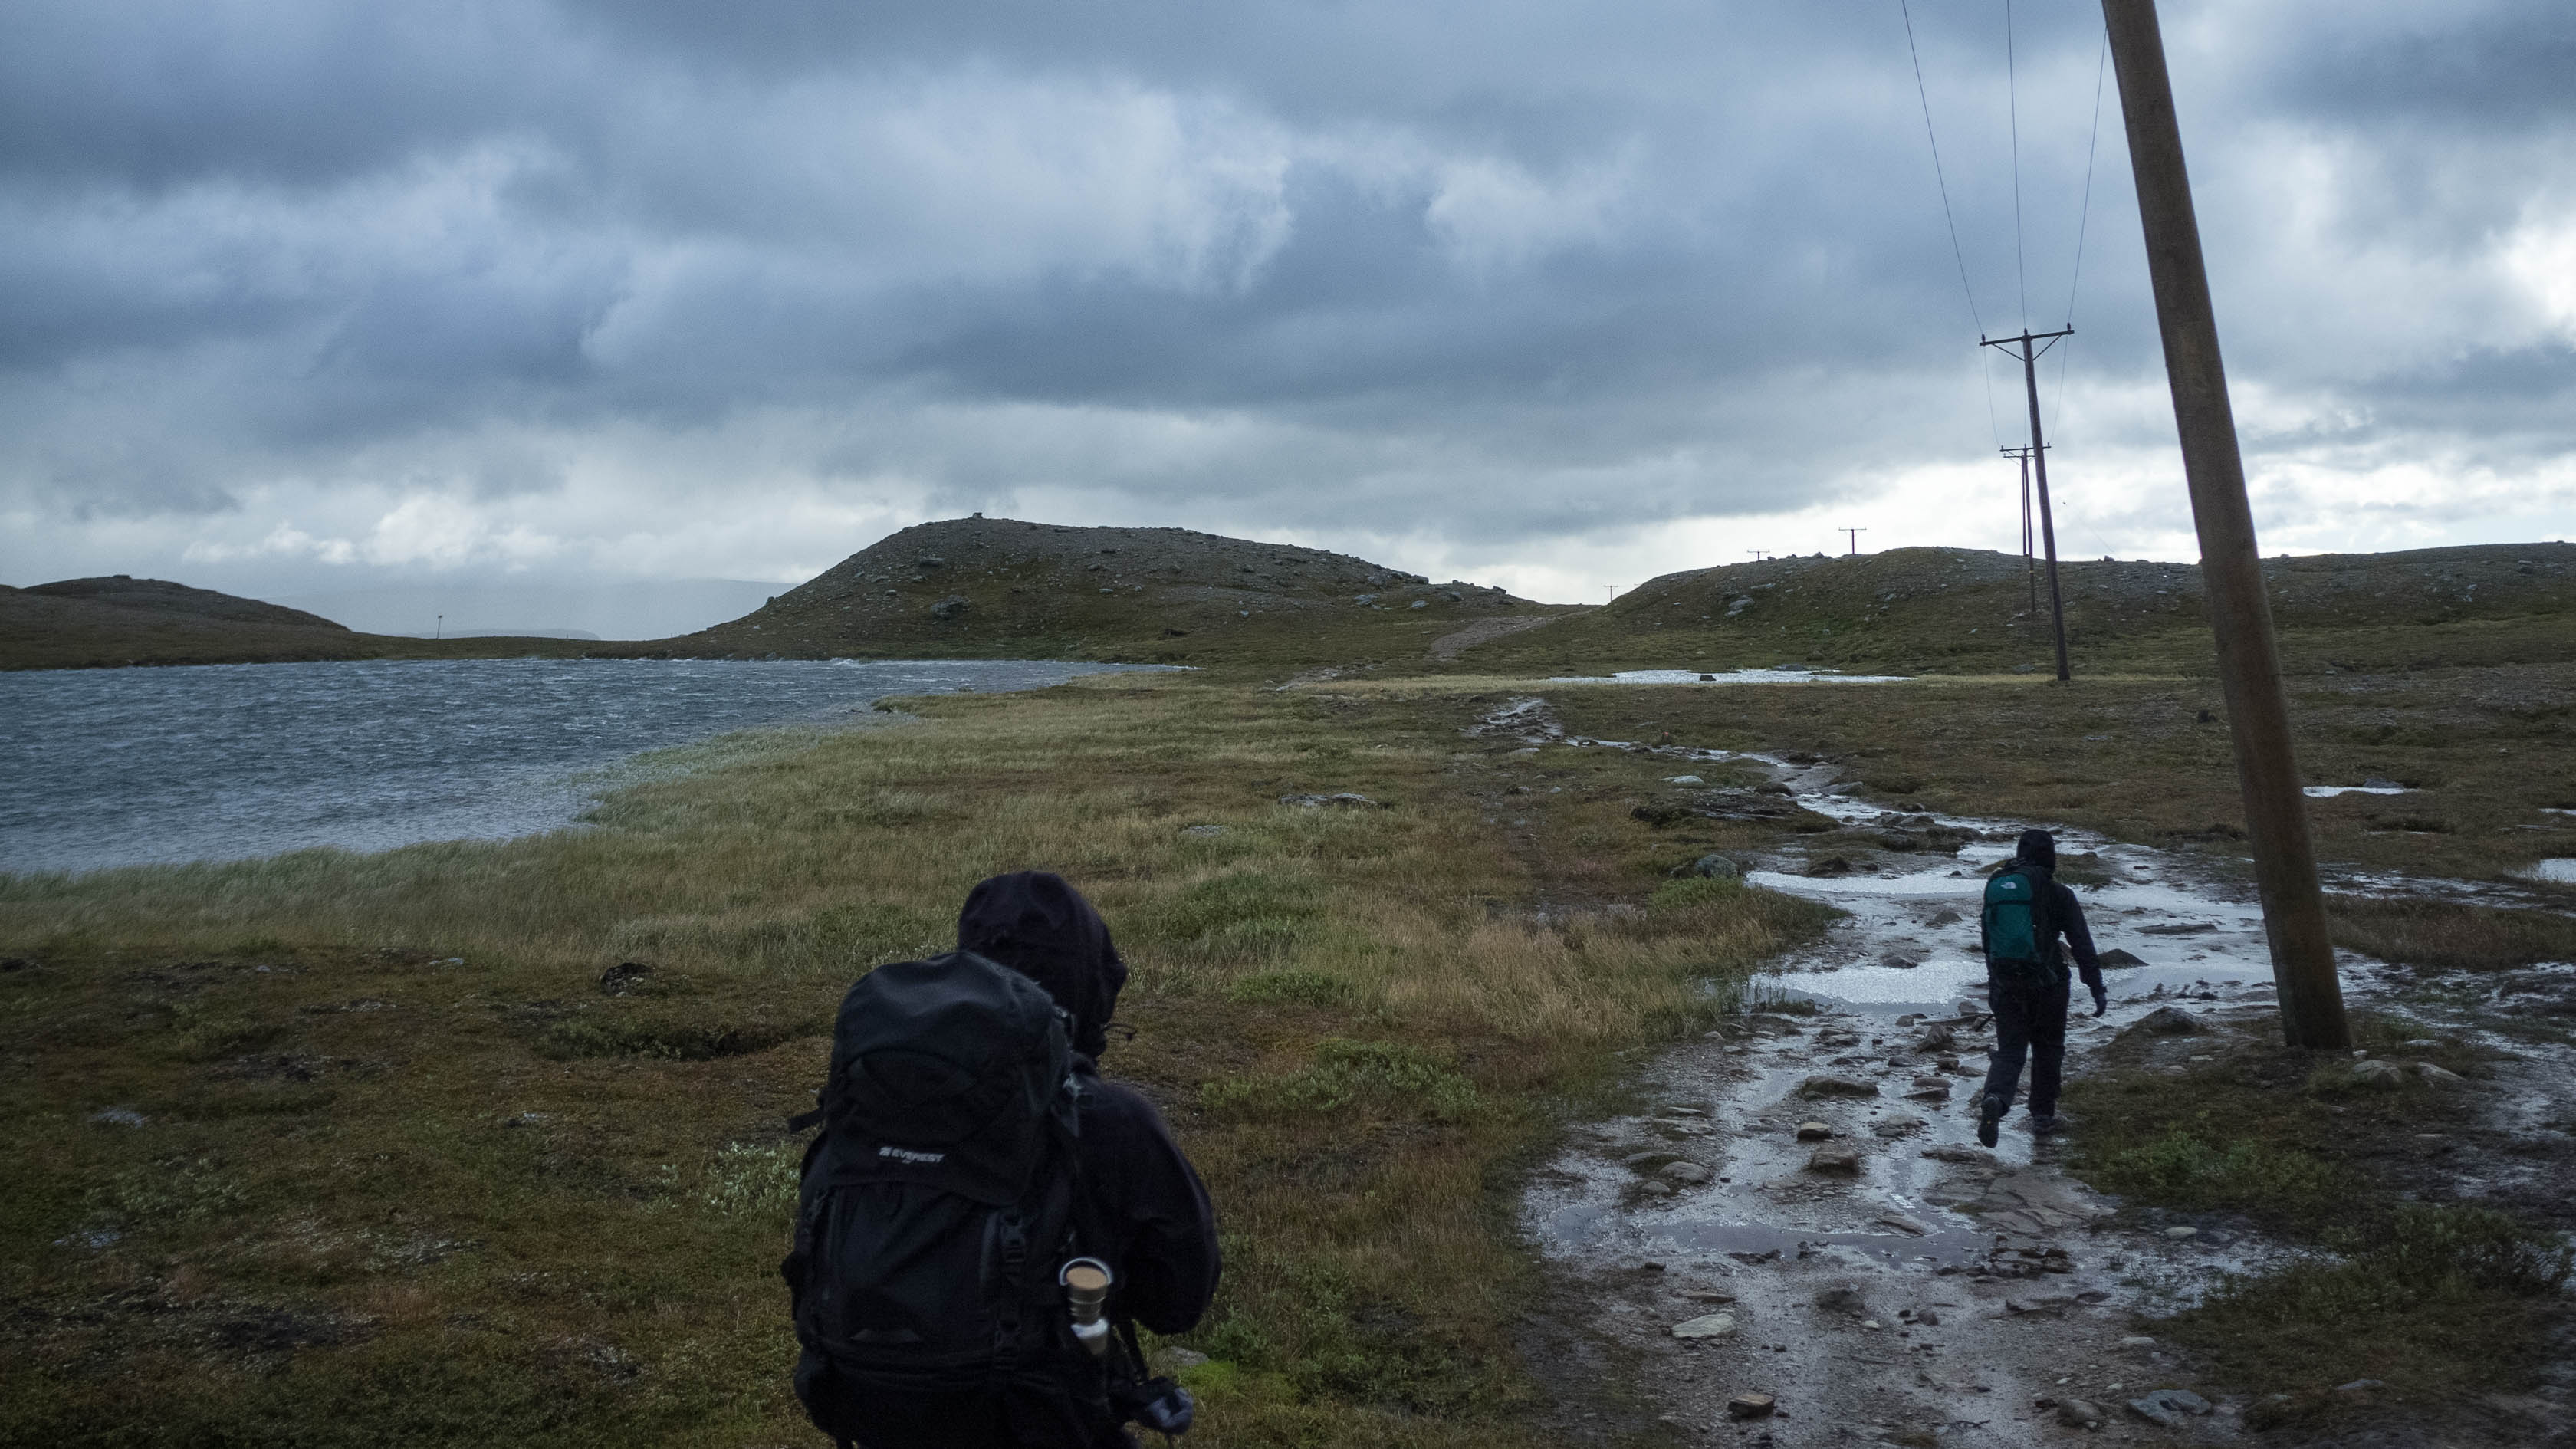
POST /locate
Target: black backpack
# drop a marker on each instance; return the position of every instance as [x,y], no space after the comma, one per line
[937,1207]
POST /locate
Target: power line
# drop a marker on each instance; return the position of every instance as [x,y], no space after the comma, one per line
[1923,96]
[2012,95]
[2083,217]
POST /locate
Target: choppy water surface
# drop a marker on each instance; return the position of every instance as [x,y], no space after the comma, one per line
[107,767]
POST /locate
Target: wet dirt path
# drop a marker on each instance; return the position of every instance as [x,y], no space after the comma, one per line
[1804,1214]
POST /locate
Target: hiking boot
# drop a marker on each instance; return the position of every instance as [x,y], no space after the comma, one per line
[1990,1116]
[2043,1124]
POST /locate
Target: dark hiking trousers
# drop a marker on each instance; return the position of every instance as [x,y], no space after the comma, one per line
[2031,1020]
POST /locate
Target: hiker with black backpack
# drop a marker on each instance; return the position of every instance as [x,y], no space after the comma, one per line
[2025,913]
[984,1221]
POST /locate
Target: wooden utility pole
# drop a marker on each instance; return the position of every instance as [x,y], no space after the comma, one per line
[2029,549]
[1855,534]
[2249,667]
[2039,467]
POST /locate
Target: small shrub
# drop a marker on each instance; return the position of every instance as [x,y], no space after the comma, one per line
[1291,988]
[750,1179]
[2182,1170]
[1698,891]
[1386,1078]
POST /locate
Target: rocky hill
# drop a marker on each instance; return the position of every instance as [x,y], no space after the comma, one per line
[993,587]
[1930,610]
[103,622]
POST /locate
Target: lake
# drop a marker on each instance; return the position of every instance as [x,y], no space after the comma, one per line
[107,767]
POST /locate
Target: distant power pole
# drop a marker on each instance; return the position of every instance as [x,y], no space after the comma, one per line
[2039,466]
[1855,534]
[1614,590]
[2029,556]
[2249,664]
[1759,554]
[441,631]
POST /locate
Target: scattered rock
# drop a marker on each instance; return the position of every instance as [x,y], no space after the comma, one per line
[930,561]
[1946,918]
[625,978]
[1898,1125]
[1815,1087]
[2036,1204]
[1711,867]
[2046,1305]
[2167,1408]
[2436,1076]
[1685,780]
[1955,1153]
[2169,1021]
[1831,865]
[1344,800]
[1706,1326]
[2180,1233]
[1690,1174]
[1904,1224]
[1937,1039]
[1897,840]
[1814,1131]
[1844,1299]
[1834,1158]
[1650,1161]
[1751,1406]
[954,606]
[2079,1414]
[2115,958]
[1895,962]
[1930,1089]
[1835,1038]
[119,1117]
[2380,1074]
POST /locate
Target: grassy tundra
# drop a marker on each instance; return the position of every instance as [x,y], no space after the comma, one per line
[338,1149]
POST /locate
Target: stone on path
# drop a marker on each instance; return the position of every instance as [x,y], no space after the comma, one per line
[2436,1076]
[1937,1039]
[1751,1406]
[2079,1414]
[1814,1131]
[1707,1325]
[2168,1021]
[1898,1125]
[1649,1161]
[1930,1089]
[1903,1224]
[2167,1408]
[1815,1087]
[1690,1174]
[2115,958]
[1964,1156]
[1834,1158]
[2036,1204]
[2378,1074]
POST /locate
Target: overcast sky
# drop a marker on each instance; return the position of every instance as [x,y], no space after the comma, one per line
[312,296]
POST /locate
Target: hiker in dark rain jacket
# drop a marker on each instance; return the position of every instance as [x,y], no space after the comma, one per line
[1145,1207]
[2027,987]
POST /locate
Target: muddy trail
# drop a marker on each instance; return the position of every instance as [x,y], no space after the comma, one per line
[1798,1241]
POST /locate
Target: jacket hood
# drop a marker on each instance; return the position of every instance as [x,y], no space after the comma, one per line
[2039,848]
[1041,927]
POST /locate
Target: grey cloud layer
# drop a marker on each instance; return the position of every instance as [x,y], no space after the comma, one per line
[1596,266]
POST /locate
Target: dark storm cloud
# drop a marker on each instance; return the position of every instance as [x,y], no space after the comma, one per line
[1598,266]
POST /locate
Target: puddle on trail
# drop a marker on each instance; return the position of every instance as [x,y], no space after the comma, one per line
[1946,1246]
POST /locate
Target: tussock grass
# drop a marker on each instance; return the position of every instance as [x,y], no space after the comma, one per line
[2430,1298]
[2450,935]
[406,1173]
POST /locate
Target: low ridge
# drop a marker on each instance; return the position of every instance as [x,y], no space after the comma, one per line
[996,586]
[1930,610]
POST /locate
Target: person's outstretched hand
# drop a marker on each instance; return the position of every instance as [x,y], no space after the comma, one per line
[2101,1000]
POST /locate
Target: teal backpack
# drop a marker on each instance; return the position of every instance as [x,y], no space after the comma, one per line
[2018,931]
